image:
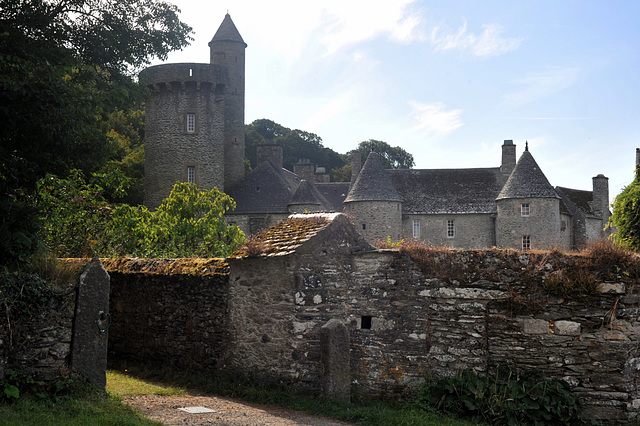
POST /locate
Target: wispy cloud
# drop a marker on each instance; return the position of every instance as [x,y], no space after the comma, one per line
[435,117]
[488,43]
[539,85]
[355,21]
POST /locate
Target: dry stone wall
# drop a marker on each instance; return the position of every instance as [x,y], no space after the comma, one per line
[405,317]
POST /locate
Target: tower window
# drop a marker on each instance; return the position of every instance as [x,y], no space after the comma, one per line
[525,209]
[526,242]
[364,226]
[191,174]
[365,322]
[416,228]
[451,228]
[191,123]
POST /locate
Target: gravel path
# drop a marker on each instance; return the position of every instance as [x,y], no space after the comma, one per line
[226,411]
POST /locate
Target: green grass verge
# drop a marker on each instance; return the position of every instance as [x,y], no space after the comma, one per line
[362,411]
[123,385]
[90,409]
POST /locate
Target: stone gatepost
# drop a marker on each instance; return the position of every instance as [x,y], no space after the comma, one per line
[91,325]
[334,351]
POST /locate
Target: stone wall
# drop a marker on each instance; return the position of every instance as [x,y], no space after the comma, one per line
[175,320]
[472,231]
[377,220]
[406,318]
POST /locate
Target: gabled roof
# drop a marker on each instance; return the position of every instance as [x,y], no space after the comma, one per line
[228,32]
[441,191]
[527,181]
[373,183]
[576,199]
[267,189]
[306,193]
[334,193]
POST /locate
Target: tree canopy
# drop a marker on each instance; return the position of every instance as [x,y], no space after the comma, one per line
[64,66]
[625,218]
[296,145]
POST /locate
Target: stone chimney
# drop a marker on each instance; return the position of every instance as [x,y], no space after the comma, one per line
[305,170]
[269,152]
[508,157]
[356,165]
[601,196]
[637,157]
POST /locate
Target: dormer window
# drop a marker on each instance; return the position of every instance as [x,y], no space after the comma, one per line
[525,209]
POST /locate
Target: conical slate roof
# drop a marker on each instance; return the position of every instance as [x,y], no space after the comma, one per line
[527,181]
[228,32]
[373,183]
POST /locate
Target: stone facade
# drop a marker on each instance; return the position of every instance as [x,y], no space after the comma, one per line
[408,316]
[194,125]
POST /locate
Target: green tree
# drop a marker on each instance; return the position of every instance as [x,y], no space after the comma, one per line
[393,157]
[65,65]
[296,145]
[625,219]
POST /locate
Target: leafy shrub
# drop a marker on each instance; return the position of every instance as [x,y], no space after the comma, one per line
[12,383]
[507,397]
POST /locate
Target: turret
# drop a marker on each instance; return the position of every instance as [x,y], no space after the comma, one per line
[227,50]
[374,202]
[528,208]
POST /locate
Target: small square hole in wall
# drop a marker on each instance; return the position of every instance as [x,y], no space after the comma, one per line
[365,322]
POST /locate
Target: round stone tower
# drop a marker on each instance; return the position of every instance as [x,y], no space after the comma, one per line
[227,50]
[194,129]
[184,129]
[374,203]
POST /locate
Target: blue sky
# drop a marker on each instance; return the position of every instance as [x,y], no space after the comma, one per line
[448,81]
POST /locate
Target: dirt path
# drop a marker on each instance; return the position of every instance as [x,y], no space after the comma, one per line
[226,411]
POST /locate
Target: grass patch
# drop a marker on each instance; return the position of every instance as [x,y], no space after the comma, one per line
[362,411]
[90,409]
[123,385]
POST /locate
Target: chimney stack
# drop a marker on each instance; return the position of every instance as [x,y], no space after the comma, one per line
[508,157]
[269,152]
[305,170]
[637,157]
[601,196]
[356,165]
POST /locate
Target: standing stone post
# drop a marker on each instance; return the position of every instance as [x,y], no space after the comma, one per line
[334,352]
[91,324]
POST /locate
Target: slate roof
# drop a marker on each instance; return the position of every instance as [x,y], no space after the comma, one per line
[267,189]
[576,199]
[448,190]
[373,183]
[527,181]
[228,31]
[306,193]
[334,193]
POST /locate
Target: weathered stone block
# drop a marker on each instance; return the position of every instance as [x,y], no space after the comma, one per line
[535,326]
[567,328]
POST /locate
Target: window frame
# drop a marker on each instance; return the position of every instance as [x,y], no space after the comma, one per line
[525,209]
[526,242]
[416,228]
[191,123]
[451,228]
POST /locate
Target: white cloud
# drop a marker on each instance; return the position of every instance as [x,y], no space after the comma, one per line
[539,85]
[436,118]
[488,43]
[351,22]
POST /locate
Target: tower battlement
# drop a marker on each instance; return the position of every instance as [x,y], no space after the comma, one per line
[170,77]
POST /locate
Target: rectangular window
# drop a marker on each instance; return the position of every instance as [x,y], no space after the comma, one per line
[416,228]
[191,174]
[525,209]
[191,123]
[364,226]
[451,229]
[526,242]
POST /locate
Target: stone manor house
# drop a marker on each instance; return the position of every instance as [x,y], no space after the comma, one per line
[195,133]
